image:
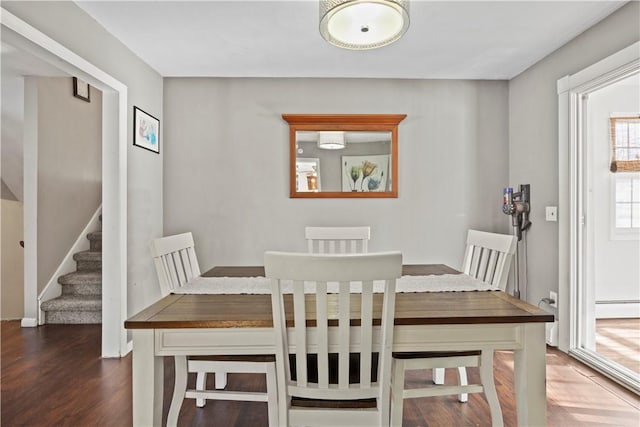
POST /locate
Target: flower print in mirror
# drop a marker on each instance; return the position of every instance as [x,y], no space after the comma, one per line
[365,173]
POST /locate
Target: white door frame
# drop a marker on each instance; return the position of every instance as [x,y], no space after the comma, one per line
[114,184]
[572,91]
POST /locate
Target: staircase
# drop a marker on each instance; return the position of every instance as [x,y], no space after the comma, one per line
[81,299]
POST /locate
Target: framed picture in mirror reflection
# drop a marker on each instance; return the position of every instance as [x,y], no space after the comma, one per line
[308,174]
[369,173]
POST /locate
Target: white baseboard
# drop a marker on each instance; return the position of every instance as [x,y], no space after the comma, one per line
[617,309]
[29,322]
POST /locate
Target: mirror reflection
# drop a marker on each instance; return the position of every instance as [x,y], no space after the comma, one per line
[343,155]
[355,161]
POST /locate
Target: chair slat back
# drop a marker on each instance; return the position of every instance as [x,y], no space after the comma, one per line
[326,323]
[175,261]
[488,257]
[337,239]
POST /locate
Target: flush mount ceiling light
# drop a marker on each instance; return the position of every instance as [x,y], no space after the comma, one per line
[363,24]
[331,140]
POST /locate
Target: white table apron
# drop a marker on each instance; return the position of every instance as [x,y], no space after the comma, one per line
[525,339]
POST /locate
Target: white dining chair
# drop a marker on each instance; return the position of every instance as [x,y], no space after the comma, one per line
[488,258]
[176,263]
[328,326]
[337,239]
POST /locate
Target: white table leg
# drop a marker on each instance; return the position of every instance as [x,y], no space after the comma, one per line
[201,385]
[221,380]
[530,377]
[148,380]
[438,376]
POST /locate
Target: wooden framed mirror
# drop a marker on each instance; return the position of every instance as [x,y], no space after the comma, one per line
[343,155]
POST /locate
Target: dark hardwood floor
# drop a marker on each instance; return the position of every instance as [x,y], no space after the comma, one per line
[53,376]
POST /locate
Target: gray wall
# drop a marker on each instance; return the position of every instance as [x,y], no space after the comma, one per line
[11,261]
[226,165]
[533,133]
[5,192]
[69,25]
[69,169]
[12,111]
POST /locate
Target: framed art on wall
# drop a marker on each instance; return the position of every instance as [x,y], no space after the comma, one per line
[81,90]
[146,130]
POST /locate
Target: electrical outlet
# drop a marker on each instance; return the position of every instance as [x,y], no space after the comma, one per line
[554,298]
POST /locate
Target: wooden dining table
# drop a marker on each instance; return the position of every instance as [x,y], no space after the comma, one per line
[232,324]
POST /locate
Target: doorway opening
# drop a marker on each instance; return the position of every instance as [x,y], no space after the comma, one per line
[600,232]
[23,36]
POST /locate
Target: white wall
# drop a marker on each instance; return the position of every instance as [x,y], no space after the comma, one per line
[226,165]
[615,262]
[72,27]
[533,133]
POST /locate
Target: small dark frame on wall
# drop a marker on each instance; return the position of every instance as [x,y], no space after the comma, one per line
[81,90]
[146,130]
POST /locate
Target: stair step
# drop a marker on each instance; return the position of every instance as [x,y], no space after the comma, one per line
[81,283]
[94,289]
[73,309]
[88,260]
[73,317]
[95,241]
[73,303]
[94,235]
[81,278]
[88,256]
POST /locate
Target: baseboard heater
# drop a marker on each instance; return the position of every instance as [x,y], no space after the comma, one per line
[617,309]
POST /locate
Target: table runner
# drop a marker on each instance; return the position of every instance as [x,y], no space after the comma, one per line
[262,285]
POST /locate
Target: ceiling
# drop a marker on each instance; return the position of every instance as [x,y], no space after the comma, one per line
[241,38]
[14,64]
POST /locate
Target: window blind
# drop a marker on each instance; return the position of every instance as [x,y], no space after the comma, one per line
[625,144]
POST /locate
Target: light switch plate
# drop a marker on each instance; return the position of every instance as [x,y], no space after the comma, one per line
[551,213]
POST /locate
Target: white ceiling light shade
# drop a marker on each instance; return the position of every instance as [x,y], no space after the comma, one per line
[363,24]
[331,140]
